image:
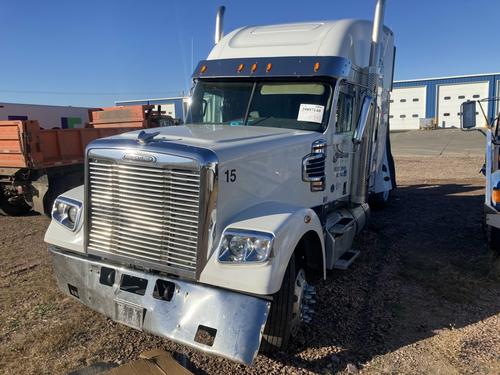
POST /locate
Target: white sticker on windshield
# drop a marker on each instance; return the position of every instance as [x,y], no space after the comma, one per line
[311,113]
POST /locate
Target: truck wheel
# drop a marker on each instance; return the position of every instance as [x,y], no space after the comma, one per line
[18,208]
[290,307]
[493,237]
[379,200]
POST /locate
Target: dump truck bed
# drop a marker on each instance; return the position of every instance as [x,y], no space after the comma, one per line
[23,144]
[36,165]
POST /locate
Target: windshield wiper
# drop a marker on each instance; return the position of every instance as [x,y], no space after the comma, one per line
[247,112]
[259,121]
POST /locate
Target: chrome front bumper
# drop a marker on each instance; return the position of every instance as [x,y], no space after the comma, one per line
[234,321]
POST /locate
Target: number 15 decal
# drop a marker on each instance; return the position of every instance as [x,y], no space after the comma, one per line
[230,175]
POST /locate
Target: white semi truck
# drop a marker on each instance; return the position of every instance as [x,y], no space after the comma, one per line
[469,113]
[211,233]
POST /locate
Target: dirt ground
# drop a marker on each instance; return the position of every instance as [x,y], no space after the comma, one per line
[422,298]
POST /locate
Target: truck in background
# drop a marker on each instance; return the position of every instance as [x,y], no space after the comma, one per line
[213,233]
[491,167]
[48,116]
[175,107]
[36,165]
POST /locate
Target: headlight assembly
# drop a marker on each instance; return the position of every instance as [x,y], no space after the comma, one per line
[67,212]
[242,246]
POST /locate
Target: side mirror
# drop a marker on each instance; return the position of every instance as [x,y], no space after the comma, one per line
[468,115]
[362,120]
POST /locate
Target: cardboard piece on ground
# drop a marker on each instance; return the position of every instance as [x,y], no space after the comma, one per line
[152,362]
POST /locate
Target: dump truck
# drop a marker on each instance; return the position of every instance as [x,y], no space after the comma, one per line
[212,234]
[36,164]
[472,111]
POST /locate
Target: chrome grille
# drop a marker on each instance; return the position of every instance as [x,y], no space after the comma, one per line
[146,213]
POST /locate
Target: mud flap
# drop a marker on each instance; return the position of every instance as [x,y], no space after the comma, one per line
[40,187]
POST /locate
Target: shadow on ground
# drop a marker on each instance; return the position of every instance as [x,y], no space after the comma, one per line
[424,268]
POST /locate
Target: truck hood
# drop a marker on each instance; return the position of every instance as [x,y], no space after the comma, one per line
[218,137]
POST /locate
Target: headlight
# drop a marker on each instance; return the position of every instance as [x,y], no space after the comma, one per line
[67,211]
[241,246]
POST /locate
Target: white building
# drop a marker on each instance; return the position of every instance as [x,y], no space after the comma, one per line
[48,116]
[440,99]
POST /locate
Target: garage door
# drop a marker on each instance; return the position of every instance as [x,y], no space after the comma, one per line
[451,97]
[407,107]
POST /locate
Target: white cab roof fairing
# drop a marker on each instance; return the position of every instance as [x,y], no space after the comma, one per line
[345,38]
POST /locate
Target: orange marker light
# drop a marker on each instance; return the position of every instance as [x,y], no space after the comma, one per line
[316,67]
[240,68]
[269,66]
[495,195]
[253,68]
[203,69]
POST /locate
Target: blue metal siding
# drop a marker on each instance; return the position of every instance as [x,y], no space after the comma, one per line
[431,101]
[432,88]
[179,110]
[497,104]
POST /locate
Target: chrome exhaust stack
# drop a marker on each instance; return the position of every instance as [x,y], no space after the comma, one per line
[362,161]
[219,24]
[378,26]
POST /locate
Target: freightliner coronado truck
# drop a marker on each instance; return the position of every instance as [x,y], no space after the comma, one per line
[211,233]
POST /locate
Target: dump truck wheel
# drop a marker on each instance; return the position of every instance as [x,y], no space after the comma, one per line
[493,237]
[18,208]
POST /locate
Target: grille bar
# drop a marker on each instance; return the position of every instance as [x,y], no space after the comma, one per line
[144,213]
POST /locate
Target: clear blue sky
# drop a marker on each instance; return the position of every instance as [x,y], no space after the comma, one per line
[94,52]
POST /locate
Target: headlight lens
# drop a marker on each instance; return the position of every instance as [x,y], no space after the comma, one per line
[239,246]
[67,212]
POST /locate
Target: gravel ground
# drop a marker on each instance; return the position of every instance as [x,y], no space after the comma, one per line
[423,297]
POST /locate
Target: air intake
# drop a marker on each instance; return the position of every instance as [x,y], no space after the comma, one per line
[313,166]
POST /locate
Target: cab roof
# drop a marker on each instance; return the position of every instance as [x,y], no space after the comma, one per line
[347,38]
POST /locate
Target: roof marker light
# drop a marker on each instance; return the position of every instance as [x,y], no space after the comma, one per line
[316,66]
[253,68]
[240,68]
[203,69]
[269,66]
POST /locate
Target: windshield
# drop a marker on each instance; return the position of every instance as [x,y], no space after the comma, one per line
[292,105]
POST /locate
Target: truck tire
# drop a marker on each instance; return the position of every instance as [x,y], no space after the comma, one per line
[285,315]
[379,200]
[13,209]
[493,238]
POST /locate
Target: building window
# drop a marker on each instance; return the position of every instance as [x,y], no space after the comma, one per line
[446,114]
[402,116]
[391,101]
[414,116]
[447,97]
[461,97]
[476,96]
[416,99]
[17,118]
[403,100]
[459,114]
[391,116]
